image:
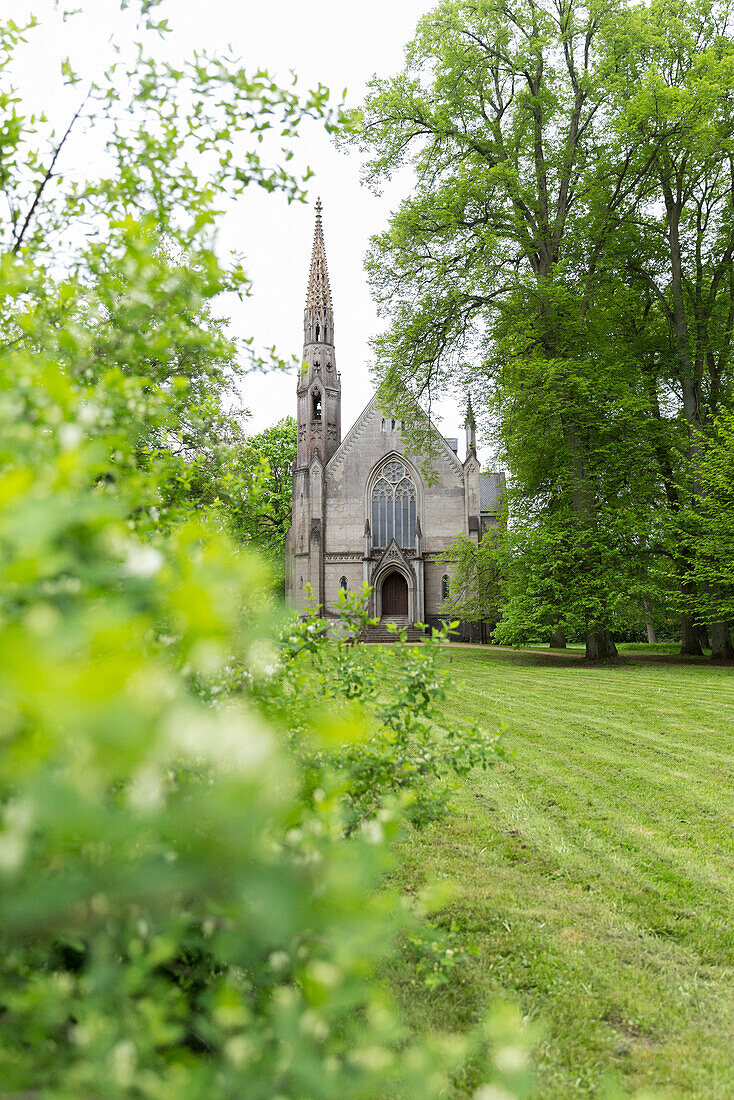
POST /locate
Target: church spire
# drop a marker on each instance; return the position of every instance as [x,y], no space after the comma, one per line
[319,386]
[319,315]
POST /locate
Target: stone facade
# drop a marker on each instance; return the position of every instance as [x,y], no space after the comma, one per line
[362,511]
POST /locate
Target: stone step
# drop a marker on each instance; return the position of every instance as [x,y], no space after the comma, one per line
[381,634]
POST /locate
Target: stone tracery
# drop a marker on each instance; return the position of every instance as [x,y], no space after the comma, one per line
[393,506]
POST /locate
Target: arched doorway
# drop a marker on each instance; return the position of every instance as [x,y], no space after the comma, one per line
[394,597]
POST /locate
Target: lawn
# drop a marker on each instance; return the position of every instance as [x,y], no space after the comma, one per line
[595,871]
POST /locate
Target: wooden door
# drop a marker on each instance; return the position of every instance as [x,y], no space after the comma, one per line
[395,597]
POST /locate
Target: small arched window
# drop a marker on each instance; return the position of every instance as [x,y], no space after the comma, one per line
[445,587]
[343,583]
[394,506]
[318,330]
[316,405]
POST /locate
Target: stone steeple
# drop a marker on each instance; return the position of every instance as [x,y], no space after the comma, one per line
[319,384]
[319,307]
[470,425]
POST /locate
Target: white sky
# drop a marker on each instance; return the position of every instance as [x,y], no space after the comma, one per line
[338,44]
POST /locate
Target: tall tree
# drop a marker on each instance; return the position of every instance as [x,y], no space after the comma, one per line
[676,99]
[499,256]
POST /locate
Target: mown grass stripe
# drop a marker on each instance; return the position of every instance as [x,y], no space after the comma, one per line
[605,847]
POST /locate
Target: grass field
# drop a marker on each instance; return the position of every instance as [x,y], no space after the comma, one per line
[596,871]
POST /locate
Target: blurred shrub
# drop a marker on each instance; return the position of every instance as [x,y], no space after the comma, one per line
[176,918]
[181,913]
[406,751]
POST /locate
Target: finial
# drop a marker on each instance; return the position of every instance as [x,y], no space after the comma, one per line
[318,207]
[470,414]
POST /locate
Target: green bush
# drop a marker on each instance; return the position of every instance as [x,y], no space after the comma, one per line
[405,753]
[181,914]
[176,918]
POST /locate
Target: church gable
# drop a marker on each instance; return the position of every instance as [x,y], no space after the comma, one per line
[393,556]
[352,472]
[355,433]
[375,435]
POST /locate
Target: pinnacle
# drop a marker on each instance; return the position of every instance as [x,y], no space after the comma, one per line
[318,297]
[470,414]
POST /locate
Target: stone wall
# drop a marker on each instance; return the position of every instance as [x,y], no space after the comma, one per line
[440,506]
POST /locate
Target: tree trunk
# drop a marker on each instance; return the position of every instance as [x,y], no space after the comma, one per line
[690,639]
[558,638]
[721,647]
[599,644]
[651,637]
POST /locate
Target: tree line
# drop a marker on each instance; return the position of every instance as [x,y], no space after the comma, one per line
[566,255]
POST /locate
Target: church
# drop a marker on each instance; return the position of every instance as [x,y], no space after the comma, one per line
[362,511]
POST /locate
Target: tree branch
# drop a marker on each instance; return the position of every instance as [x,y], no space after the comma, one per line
[46,177]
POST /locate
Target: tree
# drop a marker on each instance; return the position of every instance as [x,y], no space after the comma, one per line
[179,143]
[677,102]
[478,584]
[275,450]
[573,167]
[499,255]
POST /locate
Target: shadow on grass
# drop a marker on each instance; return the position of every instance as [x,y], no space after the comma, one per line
[577,658]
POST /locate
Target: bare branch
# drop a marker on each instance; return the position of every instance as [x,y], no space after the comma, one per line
[20,234]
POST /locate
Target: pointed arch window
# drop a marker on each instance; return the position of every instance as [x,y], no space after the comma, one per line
[394,506]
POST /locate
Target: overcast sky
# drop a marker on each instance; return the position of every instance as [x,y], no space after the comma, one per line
[339,44]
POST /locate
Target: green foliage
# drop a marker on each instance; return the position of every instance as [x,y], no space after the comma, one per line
[708,527]
[478,585]
[180,913]
[274,450]
[178,137]
[128,303]
[405,754]
[175,917]
[178,917]
[566,253]
[436,956]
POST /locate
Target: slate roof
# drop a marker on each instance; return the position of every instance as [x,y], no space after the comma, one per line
[491,491]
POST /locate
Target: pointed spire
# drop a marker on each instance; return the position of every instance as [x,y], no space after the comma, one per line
[319,384]
[318,296]
[470,425]
[470,421]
